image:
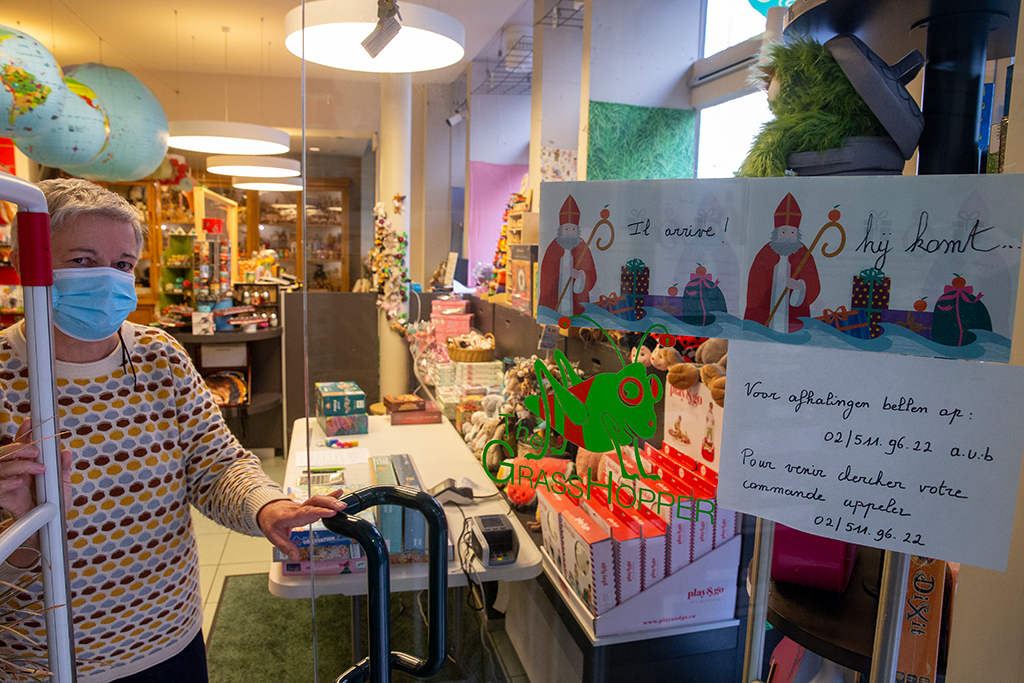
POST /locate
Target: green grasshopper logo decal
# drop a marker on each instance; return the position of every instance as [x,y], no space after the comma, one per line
[603,413]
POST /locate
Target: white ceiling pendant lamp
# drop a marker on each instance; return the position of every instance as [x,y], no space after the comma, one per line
[253,166]
[268,184]
[227,137]
[428,39]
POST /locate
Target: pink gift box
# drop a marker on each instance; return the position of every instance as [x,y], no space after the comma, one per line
[812,561]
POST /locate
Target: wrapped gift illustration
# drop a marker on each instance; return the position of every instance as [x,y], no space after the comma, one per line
[635,279]
[615,304]
[871,294]
[701,296]
[919,322]
[853,322]
[672,305]
[958,311]
[629,308]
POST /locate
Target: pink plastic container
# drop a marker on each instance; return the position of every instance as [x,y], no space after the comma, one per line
[812,561]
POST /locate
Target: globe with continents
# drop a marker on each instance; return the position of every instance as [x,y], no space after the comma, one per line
[117,111]
[33,93]
[79,135]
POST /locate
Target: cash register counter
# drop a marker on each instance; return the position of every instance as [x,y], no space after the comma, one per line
[439,453]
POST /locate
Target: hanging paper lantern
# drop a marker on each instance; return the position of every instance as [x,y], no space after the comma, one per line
[32,90]
[763,6]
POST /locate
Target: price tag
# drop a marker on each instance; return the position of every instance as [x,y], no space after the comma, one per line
[916,455]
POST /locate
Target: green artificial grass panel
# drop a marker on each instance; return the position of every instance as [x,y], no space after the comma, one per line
[627,142]
[257,637]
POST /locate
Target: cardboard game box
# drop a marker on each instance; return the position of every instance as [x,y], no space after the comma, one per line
[922,621]
[549,511]
[400,402]
[343,425]
[338,566]
[431,414]
[653,551]
[626,543]
[589,560]
[339,398]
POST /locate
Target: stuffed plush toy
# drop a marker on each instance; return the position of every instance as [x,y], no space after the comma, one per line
[666,356]
[491,403]
[816,107]
[682,376]
[641,354]
[713,356]
[712,351]
[586,461]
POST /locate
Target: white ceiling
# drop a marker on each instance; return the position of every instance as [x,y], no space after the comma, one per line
[183,36]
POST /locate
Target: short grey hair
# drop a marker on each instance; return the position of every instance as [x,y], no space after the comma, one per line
[69,198]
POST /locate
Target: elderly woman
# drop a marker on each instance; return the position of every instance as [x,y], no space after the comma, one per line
[143,442]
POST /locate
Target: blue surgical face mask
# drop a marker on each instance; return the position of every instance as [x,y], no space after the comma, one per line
[91,303]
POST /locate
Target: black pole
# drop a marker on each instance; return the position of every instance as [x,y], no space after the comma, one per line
[954,79]
[377,668]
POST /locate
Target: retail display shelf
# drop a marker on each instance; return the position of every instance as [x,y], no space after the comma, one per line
[259,403]
[663,589]
[226,337]
[837,626]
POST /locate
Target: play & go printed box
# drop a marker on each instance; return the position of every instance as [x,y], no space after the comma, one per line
[589,560]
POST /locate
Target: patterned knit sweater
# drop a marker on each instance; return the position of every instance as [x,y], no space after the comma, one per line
[142,452]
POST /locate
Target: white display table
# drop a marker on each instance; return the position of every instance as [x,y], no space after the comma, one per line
[439,453]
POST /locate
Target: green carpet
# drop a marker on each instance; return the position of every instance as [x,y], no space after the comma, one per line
[257,637]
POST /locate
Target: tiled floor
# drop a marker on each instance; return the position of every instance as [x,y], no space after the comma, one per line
[227,553]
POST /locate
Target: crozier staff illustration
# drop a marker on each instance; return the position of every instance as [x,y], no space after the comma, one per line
[568,270]
[783,269]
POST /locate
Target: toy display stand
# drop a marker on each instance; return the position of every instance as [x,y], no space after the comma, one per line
[811,618]
[843,631]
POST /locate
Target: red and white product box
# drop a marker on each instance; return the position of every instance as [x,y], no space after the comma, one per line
[663,502]
[626,543]
[549,510]
[589,560]
[726,525]
[678,525]
[687,463]
[652,548]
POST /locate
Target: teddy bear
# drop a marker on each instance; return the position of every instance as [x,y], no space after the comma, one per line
[665,357]
[713,356]
[712,351]
[682,376]
[709,367]
[491,404]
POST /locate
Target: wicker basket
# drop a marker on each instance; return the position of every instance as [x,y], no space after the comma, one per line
[460,355]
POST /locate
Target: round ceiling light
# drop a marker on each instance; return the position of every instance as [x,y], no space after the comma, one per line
[335,29]
[268,184]
[226,137]
[254,166]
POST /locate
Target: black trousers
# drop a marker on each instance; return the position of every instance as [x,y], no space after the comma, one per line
[188,666]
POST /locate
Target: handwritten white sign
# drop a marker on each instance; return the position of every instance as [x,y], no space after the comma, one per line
[916,455]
